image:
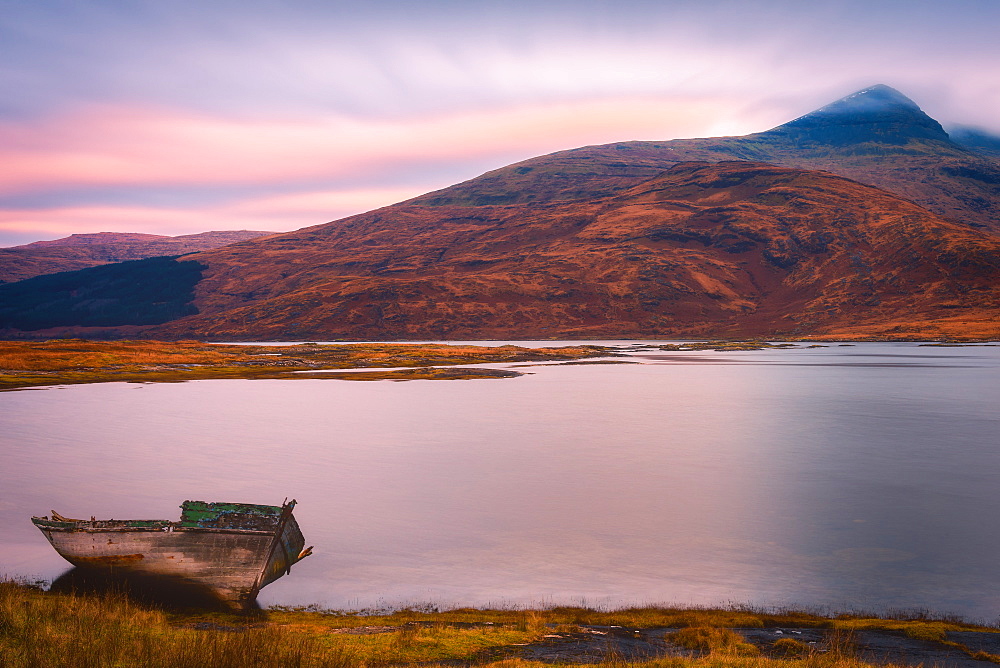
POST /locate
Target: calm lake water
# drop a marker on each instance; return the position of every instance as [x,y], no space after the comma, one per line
[839,477]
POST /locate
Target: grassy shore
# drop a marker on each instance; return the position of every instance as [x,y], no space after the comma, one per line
[67,361]
[70,361]
[42,629]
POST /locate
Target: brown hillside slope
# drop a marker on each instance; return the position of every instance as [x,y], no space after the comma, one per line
[90,250]
[734,249]
[876,136]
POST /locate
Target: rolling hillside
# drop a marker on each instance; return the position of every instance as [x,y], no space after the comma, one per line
[727,249]
[774,234]
[876,136]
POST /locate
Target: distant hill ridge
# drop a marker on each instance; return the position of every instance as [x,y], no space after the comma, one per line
[79,251]
[978,140]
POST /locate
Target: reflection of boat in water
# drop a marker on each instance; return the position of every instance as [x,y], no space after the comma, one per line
[160,591]
[233,549]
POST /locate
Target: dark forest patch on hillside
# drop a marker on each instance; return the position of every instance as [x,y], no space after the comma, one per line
[140,292]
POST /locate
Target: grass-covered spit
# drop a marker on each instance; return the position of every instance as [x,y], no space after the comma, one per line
[63,361]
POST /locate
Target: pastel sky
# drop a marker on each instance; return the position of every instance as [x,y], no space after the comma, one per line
[182,116]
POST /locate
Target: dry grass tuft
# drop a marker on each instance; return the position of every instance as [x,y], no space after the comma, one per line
[790,648]
[40,630]
[712,640]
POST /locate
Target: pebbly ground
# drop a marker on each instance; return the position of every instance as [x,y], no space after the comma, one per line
[599,643]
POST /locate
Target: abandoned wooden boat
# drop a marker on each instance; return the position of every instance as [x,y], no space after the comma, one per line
[232,549]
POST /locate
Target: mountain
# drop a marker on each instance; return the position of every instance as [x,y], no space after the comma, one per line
[876,136]
[88,250]
[864,122]
[724,249]
[779,233]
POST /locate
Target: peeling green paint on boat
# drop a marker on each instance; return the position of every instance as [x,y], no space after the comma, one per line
[228,515]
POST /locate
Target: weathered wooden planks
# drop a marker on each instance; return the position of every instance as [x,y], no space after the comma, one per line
[232,549]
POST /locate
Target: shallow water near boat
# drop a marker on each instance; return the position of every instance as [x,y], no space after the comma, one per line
[842,477]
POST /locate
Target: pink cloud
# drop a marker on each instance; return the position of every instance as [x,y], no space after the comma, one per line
[279,213]
[125,146]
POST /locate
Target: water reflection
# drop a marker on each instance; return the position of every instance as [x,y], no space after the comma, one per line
[168,593]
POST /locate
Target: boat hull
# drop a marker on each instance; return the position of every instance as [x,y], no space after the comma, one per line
[232,563]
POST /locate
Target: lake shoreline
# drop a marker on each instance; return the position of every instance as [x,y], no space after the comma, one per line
[27,364]
[114,626]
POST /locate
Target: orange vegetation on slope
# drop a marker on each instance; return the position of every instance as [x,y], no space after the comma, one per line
[877,136]
[727,249]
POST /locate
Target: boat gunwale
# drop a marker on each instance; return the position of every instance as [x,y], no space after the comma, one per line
[165,527]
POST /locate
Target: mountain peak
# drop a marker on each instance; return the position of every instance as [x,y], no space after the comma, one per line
[874,99]
[878,114]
